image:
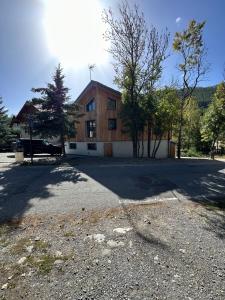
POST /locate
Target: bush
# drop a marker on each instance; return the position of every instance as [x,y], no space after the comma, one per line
[192,152]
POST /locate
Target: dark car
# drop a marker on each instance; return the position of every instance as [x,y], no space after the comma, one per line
[38,146]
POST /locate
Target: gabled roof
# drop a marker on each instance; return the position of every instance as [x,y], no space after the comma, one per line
[27,108]
[95,84]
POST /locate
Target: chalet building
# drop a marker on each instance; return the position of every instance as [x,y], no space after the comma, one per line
[20,122]
[100,130]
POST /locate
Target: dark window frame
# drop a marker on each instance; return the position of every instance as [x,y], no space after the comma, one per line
[91,105]
[91,127]
[74,145]
[110,127]
[92,146]
[111,106]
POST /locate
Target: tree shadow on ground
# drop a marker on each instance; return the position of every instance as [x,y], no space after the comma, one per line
[20,184]
[201,181]
[141,231]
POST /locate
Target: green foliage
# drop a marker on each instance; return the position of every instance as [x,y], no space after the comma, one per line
[6,132]
[192,152]
[56,116]
[138,54]
[213,123]
[190,46]
[165,114]
[191,128]
[204,95]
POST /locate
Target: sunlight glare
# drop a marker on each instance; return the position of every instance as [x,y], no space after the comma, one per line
[74,31]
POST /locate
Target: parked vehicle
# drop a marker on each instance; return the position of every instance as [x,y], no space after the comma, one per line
[6,147]
[38,146]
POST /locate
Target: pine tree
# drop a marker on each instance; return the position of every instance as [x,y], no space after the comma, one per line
[53,119]
[5,130]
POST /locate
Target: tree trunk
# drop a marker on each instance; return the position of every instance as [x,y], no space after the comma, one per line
[62,138]
[153,151]
[157,147]
[179,142]
[134,149]
[168,144]
[149,138]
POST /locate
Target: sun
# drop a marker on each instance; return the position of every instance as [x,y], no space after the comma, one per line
[74,32]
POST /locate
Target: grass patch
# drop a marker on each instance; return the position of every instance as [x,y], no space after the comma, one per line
[215,206]
[69,234]
[44,263]
[4,242]
[4,229]
[20,246]
[41,245]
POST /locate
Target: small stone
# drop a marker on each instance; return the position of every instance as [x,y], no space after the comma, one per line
[10,277]
[122,230]
[58,254]
[182,250]
[37,239]
[22,260]
[147,221]
[114,244]
[58,262]
[5,286]
[106,252]
[29,248]
[156,259]
[23,275]
[109,261]
[83,208]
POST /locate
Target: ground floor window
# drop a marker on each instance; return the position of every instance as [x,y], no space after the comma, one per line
[91,146]
[72,145]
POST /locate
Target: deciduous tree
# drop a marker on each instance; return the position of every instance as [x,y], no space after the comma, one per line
[190,45]
[213,123]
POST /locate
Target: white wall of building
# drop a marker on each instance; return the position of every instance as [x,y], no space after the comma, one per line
[120,149]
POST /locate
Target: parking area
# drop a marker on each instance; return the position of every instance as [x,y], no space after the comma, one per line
[92,184]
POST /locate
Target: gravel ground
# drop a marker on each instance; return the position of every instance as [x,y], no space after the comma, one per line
[172,250]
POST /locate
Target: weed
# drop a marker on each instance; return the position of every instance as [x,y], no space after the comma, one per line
[44,263]
[20,246]
[68,234]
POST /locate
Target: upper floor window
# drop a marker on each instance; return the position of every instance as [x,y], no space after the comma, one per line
[91,129]
[91,105]
[112,124]
[111,104]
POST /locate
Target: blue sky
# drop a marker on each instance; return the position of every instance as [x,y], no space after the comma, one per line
[30,41]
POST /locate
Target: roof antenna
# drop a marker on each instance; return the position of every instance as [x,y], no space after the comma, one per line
[91,68]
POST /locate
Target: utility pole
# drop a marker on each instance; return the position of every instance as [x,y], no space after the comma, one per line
[91,68]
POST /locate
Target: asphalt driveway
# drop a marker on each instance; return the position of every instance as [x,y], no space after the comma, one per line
[90,184]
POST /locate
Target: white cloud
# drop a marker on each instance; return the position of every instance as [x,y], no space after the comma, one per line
[178,19]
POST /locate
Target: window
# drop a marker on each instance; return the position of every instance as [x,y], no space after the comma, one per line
[92,146]
[91,105]
[111,104]
[73,145]
[112,124]
[91,129]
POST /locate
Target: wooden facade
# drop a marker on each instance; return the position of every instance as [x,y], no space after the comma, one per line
[102,114]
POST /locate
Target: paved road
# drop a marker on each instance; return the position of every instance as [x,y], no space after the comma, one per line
[96,184]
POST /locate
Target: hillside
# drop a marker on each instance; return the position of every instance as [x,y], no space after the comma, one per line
[204,95]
